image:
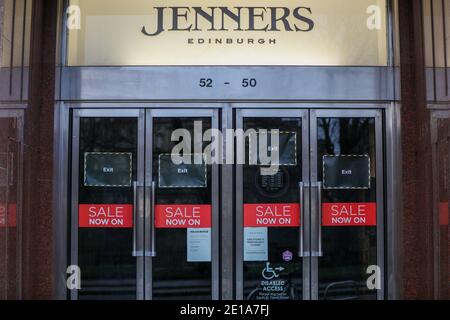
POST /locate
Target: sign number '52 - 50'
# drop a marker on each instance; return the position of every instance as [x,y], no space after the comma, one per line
[246,83]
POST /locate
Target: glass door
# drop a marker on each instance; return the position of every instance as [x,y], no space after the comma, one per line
[107,203]
[182,182]
[272,230]
[144,226]
[346,204]
[312,227]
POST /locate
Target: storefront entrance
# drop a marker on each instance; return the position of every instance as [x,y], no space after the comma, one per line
[312,230]
[144,227]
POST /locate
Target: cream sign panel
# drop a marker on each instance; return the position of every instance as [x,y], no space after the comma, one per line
[252,32]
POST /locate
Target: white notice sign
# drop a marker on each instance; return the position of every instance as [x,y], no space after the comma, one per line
[199,245]
[255,244]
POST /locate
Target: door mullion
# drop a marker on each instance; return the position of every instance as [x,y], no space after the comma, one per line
[314,221]
[306,206]
[140,221]
[239,217]
[75,188]
[148,152]
[215,252]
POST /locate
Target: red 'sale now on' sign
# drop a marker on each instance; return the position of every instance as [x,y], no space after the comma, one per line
[8,217]
[271,215]
[105,216]
[183,216]
[349,214]
[443,214]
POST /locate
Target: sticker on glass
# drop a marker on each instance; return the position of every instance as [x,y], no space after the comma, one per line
[107,169]
[183,175]
[285,146]
[346,172]
[255,244]
[199,244]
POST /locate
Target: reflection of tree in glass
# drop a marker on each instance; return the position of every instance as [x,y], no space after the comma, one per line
[344,135]
[100,137]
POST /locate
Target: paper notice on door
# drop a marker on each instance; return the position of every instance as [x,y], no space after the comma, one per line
[255,244]
[199,244]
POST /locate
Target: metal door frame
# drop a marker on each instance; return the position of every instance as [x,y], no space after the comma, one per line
[149,203]
[106,113]
[316,223]
[311,223]
[239,254]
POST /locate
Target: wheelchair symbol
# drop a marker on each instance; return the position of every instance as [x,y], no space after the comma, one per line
[270,273]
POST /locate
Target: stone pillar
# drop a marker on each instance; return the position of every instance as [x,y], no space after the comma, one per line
[416,224]
[38,157]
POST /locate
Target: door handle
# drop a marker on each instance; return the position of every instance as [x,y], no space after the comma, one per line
[319,223]
[301,252]
[317,251]
[152,222]
[136,251]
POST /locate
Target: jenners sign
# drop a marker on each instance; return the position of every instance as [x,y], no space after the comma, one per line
[268,19]
[232,32]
